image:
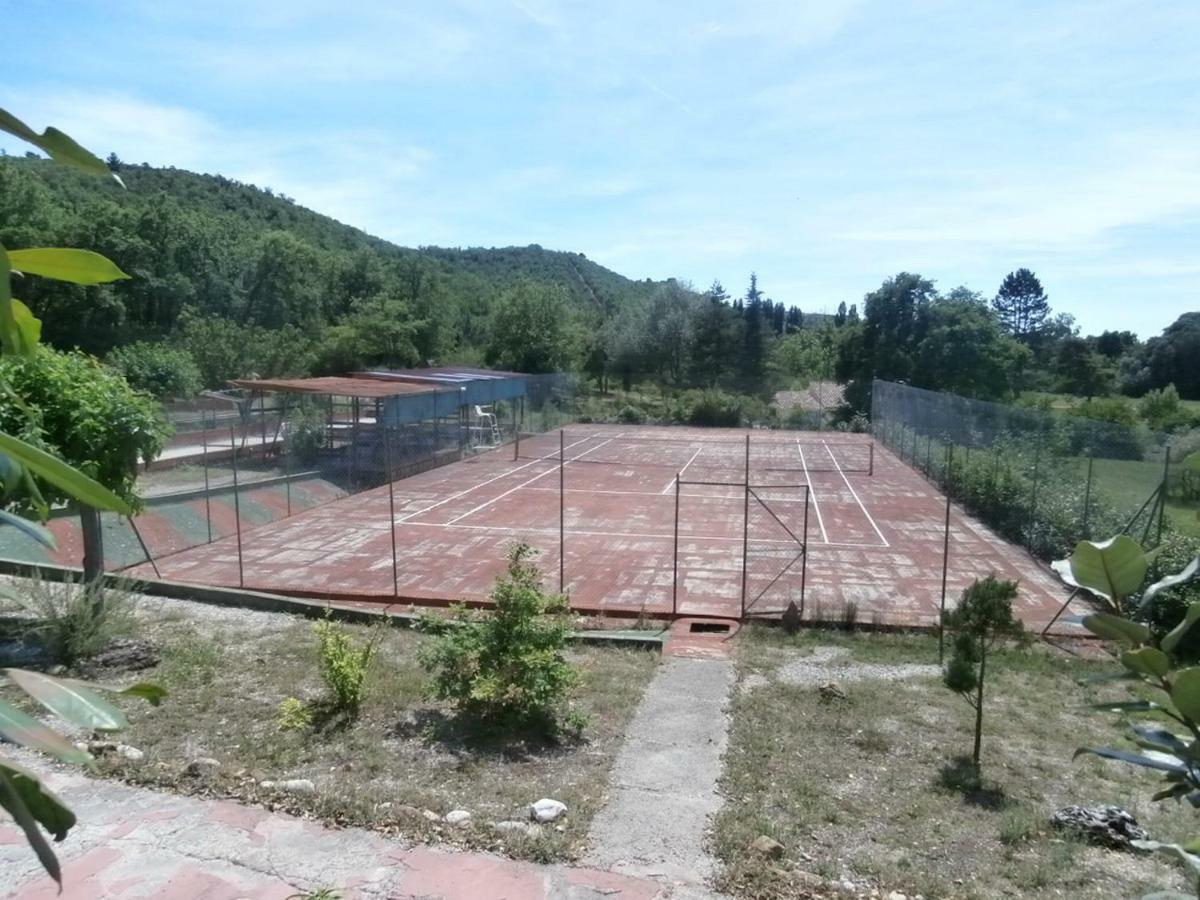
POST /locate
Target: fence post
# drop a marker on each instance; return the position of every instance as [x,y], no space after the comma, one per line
[1037,459]
[517,447]
[745,523]
[1087,493]
[387,462]
[237,510]
[204,459]
[287,467]
[1162,503]
[871,458]
[562,490]
[945,569]
[675,556]
[929,456]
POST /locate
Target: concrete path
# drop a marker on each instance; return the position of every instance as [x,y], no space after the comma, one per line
[663,789]
[131,842]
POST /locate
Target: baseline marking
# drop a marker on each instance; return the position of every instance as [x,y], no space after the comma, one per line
[537,477]
[476,487]
[812,493]
[854,494]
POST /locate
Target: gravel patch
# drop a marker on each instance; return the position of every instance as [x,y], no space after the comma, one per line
[830,664]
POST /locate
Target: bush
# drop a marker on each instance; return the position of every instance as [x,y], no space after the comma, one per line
[344,664]
[165,372]
[1161,410]
[631,415]
[713,408]
[305,432]
[75,620]
[504,668]
[294,715]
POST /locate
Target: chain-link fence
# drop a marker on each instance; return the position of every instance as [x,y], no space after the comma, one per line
[1041,479]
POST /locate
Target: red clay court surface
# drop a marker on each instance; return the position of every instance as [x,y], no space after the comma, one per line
[874,540]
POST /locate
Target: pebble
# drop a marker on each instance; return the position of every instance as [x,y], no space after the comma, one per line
[547,810]
[430,815]
[458,817]
[526,828]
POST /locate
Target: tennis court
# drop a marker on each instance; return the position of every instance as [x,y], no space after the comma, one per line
[632,519]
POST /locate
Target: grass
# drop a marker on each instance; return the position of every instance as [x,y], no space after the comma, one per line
[875,788]
[401,756]
[1127,483]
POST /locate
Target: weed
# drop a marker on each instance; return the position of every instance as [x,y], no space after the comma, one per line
[76,620]
[294,715]
[344,664]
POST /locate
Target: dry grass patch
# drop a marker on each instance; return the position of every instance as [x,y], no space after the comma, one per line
[873,788]
[229,671]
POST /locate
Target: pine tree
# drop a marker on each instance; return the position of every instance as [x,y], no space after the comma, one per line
[1022,305]
[839,317]
[794,320]
[751,366]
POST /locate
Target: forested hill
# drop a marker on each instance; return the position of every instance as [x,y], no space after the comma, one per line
[207,247]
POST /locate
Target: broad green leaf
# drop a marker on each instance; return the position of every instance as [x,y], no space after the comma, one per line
[1116,628]
[84,489]
[29,327]
[63,264]
[69,700]
[1185,693]
[144,690]
[13,801]
[1162,762]
[56,145]
[1188,859]
[1146,661]
[1154,738]
[10,335]
[42,803]
[1126,706]
[1111,569]
[18,727]
[38,532]
[1172,638]
[1186,574]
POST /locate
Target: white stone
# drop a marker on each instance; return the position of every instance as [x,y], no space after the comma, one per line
[297,786]
[430,815]
[458,817]
[896,895]
[526,828]
[133,754]
[547,810]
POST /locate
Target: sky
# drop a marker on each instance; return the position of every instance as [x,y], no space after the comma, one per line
[824,145]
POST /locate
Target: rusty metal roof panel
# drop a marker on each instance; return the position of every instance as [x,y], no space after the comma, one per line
[338,386]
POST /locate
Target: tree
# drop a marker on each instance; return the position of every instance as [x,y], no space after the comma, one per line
[1170,359]
[752,361]
[963,350]
[1022,305]
[1161,409]
[713,338]
[162,371]
[379,331]
[982,620]
[531,330]
[1080,370]
[839,317]
[1115,344]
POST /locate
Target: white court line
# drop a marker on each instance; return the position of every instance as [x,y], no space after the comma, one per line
[476,487]
[541,475]
[854,493]
[671,483]
[812,493]
[508,529]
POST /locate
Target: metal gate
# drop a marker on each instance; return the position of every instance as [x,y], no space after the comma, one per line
[774,548]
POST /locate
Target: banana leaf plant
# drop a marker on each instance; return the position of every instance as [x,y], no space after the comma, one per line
[1114,571]
[22,794]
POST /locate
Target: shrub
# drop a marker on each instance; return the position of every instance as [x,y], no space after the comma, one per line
[631,415]
[344,663]
[76,620]
[505,667]
[306,432]
[165,372]
[1161,410]
[294,715]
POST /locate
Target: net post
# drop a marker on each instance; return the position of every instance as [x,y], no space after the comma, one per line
[675,556]
[387,462]
[204,458]
[745,524]
[287,466]
[871,458]
[945,569]
[804,558]
[562,515]
[237,510]
[517,445]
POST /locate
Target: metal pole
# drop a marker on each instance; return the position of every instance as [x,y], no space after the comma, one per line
[804,559]
[517,447]
[562,514]
[1037,459]
[1162,502]
[675,556]
[237,511]
[204,457]
[145,549]
[945,568]
[387,461]
[745,524]
[287,470]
